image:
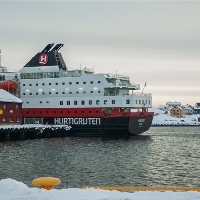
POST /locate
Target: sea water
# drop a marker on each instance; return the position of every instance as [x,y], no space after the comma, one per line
[163,156]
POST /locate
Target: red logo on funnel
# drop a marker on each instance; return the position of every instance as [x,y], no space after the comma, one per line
[43,59]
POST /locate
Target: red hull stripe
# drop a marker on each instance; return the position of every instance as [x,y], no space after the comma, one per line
[78,112]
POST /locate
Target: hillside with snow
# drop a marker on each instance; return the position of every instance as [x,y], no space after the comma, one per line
[163,118]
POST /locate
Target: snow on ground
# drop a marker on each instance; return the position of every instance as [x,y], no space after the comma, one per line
[13,190]
[160,118]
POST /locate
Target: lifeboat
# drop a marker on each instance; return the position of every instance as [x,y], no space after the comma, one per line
[8,85]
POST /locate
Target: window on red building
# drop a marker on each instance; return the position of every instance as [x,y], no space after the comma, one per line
[4,119]
[4,106]
[10,119]
[17,119]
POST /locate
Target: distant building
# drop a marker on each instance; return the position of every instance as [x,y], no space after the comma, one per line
[10,108]
[187,109]
[197,108]
[172,104]
[176,111]
[163,107]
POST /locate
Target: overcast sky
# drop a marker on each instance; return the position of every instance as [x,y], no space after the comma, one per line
[153,41]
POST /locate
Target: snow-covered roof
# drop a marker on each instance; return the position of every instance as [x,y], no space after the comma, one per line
[187,106]
[7,97]
[173,103]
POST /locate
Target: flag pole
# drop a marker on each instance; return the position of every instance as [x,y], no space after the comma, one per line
[144,86]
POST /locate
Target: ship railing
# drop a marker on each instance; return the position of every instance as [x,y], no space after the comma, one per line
[118,76]
[80,68]
[141,94]
[117,94]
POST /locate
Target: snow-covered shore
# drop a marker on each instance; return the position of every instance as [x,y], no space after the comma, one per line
[162,119]
[11,189]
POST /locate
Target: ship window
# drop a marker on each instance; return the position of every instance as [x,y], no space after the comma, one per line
[61,102]
[127,101]
[43,84]
[4,119]
[105,101]
[97,111]
[61,112]
[49,92]
[91,82]
[75,102]
[36,93]
[63,92]
[68,102]
[27,102]
[17,119]
[47,101]
[146,101]
[70,83]
[135,101]
[77,92]
[47,112]
[68,111]
[91,91]
[40,101]
[30,93]
[99,81]
[90,102]
[56,92]
[99,91]
[27,112]
[17,107]
[75,111]
[10,119]
[84,91]
[49,83]
[43,92]
[30,84]
[70,92]
[149,102]
[139,101]
[84,82]
[33,112]
[90,111]
[82,102]
[142,101]
[23,93]
[56,83]
[113,101]
[77,82]
[36,84]
[97,102]
[63,83]
[54,112]
[40,112]
[82,111]
[4,106]
[23,84]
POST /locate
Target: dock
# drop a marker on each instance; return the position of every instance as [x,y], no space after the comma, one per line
[32,131]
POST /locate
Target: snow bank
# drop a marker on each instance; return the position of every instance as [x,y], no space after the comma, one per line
[11,189]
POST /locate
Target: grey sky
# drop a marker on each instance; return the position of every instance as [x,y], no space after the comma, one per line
[157,42]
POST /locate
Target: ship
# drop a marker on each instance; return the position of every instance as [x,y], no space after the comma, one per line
[96,104]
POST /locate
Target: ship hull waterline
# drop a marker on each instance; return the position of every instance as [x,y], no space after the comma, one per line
[106,126]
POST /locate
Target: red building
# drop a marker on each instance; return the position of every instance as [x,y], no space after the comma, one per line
[10,108]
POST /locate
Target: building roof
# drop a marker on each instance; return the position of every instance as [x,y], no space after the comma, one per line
[7,97]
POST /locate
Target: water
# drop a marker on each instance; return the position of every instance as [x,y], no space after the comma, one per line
[163,156]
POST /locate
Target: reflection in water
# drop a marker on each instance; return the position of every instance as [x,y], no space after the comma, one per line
[164,156]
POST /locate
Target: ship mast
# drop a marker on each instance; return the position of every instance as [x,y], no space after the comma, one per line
[0,57]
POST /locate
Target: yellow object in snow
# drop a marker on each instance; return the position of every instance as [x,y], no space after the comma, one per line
[47,183]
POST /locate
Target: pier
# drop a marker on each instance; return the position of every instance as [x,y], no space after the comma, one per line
[28,132]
